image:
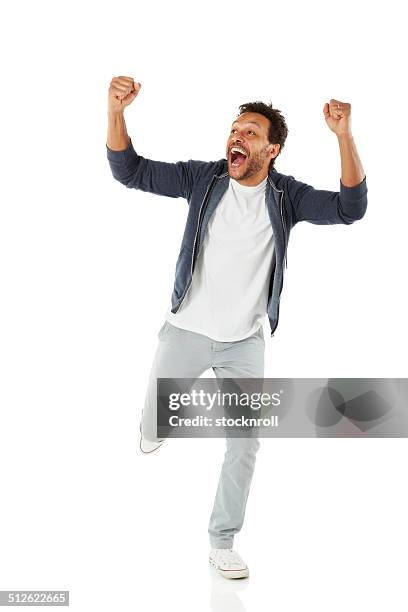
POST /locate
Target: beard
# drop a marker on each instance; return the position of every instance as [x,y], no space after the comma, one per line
[253,165]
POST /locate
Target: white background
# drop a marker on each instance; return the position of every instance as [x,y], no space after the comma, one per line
[87,269]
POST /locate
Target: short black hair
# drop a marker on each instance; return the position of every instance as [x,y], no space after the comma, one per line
[278,130]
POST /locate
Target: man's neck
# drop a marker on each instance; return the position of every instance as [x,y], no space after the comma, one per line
[254,180]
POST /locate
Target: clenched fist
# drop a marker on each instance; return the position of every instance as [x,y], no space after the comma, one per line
[122,91]
[338,116]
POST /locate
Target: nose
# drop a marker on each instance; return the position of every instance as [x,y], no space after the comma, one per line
[239,135]
[237,139]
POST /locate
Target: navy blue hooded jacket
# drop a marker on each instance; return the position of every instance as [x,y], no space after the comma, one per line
[203,184]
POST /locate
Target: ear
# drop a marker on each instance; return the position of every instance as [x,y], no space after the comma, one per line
[274,150]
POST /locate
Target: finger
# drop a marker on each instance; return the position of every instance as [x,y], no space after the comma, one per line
[126,84]
[339,113]
[119,93]
[335,106]
[118,88]
[345,106]
[326,111]
[125,78]
[336,114]
[134,86]
[123,88]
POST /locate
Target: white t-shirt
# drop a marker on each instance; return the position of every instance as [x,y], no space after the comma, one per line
[227,298]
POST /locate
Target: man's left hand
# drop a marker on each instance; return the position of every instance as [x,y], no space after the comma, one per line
[338,116]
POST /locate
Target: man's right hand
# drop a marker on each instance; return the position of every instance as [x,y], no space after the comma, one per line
[122,91]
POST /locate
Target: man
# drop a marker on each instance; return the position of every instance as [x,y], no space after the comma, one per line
[230,268]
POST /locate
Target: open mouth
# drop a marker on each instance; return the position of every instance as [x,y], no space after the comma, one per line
[238,156]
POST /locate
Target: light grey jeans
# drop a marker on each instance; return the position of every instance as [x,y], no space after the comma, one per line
[184,354]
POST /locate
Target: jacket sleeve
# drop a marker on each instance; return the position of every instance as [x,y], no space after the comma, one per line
[324,207]
[174,180]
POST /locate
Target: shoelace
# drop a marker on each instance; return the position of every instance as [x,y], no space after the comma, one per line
[227,557]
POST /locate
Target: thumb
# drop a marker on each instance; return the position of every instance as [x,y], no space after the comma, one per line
[326,111]
[135,90]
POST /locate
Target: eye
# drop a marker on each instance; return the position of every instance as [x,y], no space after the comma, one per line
[233,130]
[251,132]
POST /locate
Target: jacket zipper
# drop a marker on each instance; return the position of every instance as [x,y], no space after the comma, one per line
[195,237]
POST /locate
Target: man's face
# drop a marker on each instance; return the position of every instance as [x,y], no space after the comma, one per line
[249,132]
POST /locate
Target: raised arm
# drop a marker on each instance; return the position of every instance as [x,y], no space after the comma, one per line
[347,205]
[174,180]
[338,118]
[122,91]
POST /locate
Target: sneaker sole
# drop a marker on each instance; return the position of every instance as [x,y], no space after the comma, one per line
[231,574]
[144,450]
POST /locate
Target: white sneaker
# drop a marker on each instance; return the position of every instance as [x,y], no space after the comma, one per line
[146,446]
[149,447]
[228,563]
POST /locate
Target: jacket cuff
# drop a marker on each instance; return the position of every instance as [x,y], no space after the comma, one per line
[355,192]
[123,155]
